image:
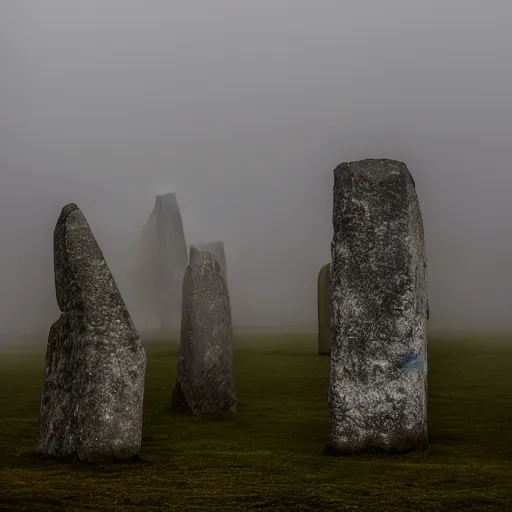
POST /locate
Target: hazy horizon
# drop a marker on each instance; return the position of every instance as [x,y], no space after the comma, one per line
[244,110]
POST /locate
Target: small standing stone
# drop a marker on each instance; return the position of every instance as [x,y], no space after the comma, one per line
[378,376]
[205,382]
[324,315]
[91,402]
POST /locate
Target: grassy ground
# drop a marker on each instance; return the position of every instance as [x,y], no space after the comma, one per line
[268,456]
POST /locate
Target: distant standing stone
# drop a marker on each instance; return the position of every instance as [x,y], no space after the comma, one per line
[91,402]
[378,375]
[164,230]
[217,249]
[205,382]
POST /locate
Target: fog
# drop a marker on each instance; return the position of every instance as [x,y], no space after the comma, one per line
[244,109]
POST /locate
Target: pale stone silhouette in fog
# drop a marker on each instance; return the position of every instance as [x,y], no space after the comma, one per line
[166,238]
[205,382]
[91,402]
[378,290]
[217,249]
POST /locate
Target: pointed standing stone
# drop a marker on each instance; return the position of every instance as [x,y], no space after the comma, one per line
[205,382]
[378,376]
[91,402]
[217,250]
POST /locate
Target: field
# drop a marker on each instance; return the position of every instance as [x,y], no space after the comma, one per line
[268,456]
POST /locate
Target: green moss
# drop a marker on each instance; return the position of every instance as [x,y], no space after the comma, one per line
[324,318]
[268,456]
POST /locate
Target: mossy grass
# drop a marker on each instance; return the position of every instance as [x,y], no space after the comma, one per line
[269,455]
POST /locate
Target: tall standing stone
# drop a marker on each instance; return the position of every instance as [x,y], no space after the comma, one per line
[217,250]
[378,375]
[165,227]
[324,315]
[205,382]
[91,402]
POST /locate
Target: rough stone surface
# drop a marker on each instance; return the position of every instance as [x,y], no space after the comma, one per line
[324,315]
[378,373]
[217,249]
[91,402]
[205,382]
[164,232]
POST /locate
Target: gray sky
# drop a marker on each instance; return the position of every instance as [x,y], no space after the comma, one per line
[244,109]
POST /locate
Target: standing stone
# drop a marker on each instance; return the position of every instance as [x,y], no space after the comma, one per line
[378,376]
[217,250]
[91,402]
[165,227]
[324,315]
[205,382]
